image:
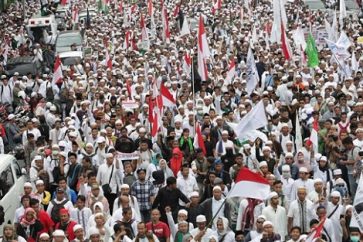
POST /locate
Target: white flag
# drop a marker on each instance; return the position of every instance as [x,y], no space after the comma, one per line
[185,28]
[343,40]
[253,120]
[357,216]
[342,13]
[298,136]
[252,75]
[354,64]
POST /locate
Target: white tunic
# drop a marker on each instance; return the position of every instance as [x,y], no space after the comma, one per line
[294,212]
[278,218]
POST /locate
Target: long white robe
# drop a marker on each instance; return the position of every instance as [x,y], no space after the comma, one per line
[278,218]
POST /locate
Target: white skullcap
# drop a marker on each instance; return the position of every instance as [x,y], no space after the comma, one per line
[125,186]
[246,146]
[183,211]
[323,158]
[217,188]
[225,132]
[339,181]
[38,157]
[289,154]
[317,180]
[262,217]
[39,182]
[201,219]
[59,232]
[27,184]
[337,172]
[262,163]
[77,227]
[266,148]
[272,195]
[109,155]
[285,168]
[44,236]
[335,194]
[266,223]
[101,139]
[93,231]
[303,169]
[194,194]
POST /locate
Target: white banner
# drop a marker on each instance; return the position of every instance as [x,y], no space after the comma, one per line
[130,104]
[128,156]
[357,216]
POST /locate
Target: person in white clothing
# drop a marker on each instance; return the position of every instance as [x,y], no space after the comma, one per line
[201,233]
[277,215]
[186,183]
[251,208]
[143,235]
[81,213]
[223,233]
[301,211]
[6,91]
[9,234]
[303,181]
[30,129]
[334,212]
[224,145]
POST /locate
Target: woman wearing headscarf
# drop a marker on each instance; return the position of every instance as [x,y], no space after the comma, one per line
[176,161]
[29,227]
[163,165]
[9,234]
[102,226]
[223,232]
[322,170]
[97,208]
[154,165]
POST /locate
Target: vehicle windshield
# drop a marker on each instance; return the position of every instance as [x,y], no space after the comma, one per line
[67,41]
[67,61]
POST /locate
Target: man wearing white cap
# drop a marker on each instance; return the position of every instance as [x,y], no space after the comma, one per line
[303,181]
[317,196]
[81,213]
[301,211]
[30,129]
[277,215]
[109,176]
[287,181]
[211,205]
[335,211]
[201,233]
[79,233]
[224,146]
[186,183]
[285,136]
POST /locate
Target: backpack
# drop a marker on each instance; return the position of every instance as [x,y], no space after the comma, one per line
[49,94]
[55,210]
[56,172]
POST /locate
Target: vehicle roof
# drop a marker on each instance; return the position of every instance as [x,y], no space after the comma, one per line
[38,15]
[5,160]
[19,60]
[69,33]
[71,54]
[315,4]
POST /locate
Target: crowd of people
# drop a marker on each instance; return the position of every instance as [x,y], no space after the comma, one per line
[103,165]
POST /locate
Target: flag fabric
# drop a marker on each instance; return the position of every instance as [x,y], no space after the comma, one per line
[185,28]
[316,232]
[217,6]
[298,136]
[252,74]
[254,119]
[63,2]
[128,88]
[342,13]
[198,139]
[231,72]
[357,214]
[165,21]
[284,44]
[150,8]
[155,124]
[126,44]
[151,110]
[344,41]
[187,64]
[167,98]
[312,52]
[249,184]
[314,139]
[176,10]
[203,50]
[241,15]
[57,74]
[75,14]
[144,34]
[354,63]
[121,7]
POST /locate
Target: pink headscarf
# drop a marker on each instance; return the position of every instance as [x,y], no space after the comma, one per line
[24,221]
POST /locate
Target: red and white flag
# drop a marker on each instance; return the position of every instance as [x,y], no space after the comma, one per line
[176,10]
[241,15]
[187,64]
[150,8]
[127,40]
[249,184]
[121,7]
[165,21]
[75,14]
[286,49]
[108,60]
[198,139]
[314,139]
[144,34]
[231,71]
[203,50]
[217,6]
[167,98]
[133,8]
[57,73]
[63,2]
[316,232]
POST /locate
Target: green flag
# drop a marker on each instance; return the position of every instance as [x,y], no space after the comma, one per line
[312,52]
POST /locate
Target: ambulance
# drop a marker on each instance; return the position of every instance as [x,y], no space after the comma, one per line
[37,24]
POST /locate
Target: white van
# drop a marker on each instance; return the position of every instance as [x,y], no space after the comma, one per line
[37,24]
[12,181]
